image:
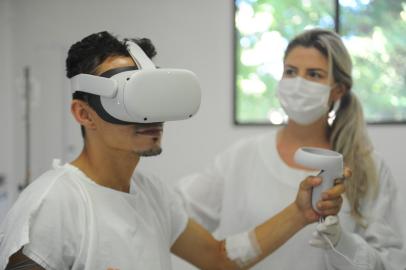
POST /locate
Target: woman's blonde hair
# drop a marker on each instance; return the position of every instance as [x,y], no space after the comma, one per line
[347,134]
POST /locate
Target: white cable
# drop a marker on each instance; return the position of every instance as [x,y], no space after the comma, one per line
[339,253]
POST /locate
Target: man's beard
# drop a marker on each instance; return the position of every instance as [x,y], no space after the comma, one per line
[150,152]
[153,151]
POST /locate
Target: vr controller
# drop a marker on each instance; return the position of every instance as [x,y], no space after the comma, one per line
[330,164]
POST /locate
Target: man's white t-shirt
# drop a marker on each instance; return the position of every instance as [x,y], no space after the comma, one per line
[64,220]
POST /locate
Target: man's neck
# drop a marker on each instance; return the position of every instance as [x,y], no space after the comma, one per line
[106,167]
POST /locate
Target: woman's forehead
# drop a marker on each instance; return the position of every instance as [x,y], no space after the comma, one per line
[306,56]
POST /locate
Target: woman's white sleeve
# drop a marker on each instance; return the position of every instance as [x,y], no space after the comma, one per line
[380,245]
[202,195]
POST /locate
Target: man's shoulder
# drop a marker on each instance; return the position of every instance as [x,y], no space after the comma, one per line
[54,187]
[49,193]
[54,181]
[49,203]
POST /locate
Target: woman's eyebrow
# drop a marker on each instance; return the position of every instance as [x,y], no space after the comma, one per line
[317,69]
[290,66]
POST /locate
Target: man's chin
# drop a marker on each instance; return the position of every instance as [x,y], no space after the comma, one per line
[150,152]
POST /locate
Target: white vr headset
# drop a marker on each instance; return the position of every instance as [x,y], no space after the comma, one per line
[142,93]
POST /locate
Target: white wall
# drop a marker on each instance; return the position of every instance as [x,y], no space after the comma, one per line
[7,190]
[190,34]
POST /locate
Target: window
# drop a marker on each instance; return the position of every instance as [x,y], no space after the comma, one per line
[372,30]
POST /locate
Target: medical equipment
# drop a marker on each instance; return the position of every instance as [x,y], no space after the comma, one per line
[142,94]
[27,135]
[329,162]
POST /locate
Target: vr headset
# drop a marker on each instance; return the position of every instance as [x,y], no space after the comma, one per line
[142,93]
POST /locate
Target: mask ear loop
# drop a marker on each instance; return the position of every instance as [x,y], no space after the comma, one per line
[333,113]
[336,107]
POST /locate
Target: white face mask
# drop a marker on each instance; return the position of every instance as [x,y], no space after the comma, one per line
[303,101]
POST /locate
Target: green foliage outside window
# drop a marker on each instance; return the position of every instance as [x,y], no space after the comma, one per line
[374,32]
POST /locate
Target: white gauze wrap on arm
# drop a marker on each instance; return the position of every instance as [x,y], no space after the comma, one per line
[243,248]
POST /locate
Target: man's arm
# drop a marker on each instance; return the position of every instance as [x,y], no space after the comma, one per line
[198,246]
[18,261]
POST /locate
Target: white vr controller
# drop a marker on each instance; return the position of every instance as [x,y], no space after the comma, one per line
[330,164]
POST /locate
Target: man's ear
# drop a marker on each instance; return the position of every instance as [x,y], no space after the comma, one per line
[338,91]
[82,113]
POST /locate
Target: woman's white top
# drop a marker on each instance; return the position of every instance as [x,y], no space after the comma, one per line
[249,183]
[64,221]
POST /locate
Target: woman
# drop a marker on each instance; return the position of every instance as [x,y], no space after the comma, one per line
[257,177]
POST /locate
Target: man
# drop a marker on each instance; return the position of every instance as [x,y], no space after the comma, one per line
[97,213]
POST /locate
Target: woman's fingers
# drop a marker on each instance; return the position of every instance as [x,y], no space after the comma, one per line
[347,172]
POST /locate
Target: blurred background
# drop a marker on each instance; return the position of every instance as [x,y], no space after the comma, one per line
[373,32]
[235,48]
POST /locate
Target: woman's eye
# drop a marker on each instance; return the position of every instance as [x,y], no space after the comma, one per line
[315,74]
[289,72]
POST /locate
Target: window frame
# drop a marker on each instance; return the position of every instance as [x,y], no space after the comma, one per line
[337,23]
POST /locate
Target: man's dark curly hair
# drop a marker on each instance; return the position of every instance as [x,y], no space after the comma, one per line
[86,55]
